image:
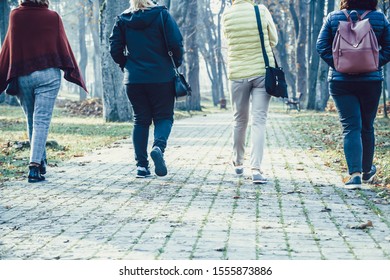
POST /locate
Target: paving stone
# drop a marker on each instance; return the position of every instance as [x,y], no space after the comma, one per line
[200,210]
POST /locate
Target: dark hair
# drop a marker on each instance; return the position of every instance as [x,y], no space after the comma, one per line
[358,4]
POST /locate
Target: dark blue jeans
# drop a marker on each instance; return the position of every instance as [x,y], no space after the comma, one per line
[151,103]
[357,104]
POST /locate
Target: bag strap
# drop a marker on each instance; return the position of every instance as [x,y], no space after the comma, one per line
[365,13]
[260,28]
[170,53]
[360,17]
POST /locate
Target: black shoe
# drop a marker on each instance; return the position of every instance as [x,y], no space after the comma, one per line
[42,168]
[159,162]
[142,172]
[369,176]
[34,175]
[355,183]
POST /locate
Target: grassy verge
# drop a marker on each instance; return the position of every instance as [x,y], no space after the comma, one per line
[323,129]
[69,136]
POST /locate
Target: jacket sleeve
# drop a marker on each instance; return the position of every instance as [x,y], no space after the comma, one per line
[324,42]
[272,32]
[174,39]
[384,42]
[117,44]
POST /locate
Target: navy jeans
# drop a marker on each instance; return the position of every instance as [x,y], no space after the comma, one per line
[357,104]
[151,103]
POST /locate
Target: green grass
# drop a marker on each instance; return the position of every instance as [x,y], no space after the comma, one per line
[70,136]
[323,130]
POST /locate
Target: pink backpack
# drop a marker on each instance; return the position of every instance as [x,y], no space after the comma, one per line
[355,47]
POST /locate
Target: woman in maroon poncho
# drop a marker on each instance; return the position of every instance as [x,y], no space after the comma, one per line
[34,50]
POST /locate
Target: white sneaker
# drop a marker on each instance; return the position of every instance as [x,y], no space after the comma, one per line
[258,178]
[238,169]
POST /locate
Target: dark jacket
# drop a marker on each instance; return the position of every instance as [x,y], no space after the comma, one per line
[381,27]
[36,40]
[137,44]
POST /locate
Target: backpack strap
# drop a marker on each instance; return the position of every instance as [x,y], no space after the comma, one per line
[364,14]
[346,14]
[360,17]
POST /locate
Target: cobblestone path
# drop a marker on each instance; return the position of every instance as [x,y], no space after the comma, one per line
[94,207]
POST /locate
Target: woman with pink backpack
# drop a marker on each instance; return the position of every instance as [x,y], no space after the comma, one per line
[356,29]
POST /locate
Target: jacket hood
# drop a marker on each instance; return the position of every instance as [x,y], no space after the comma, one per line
[142,18]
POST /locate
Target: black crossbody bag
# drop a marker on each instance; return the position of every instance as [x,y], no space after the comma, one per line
[182,88]
[275,81]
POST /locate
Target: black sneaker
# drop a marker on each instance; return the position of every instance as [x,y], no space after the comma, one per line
[354,183]
[159,162]
[142,172]
[34,174]
[369,176]
[42,168]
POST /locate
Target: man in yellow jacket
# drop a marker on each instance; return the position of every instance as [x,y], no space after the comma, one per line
[246,71]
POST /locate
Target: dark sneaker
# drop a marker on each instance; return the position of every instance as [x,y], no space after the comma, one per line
[142,172]
[258,178]
[369,176]
[34,175]
[159,162]
[354,183]
[42,168]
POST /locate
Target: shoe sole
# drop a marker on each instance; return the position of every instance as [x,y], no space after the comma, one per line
[142,176]
[35,180]
[259,182]
[369,180]
[353,187]
[159,164]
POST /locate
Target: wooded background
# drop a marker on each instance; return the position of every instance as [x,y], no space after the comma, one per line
[88,24]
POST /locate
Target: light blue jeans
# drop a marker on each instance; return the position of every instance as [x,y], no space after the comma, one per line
[37,95]
[249,96]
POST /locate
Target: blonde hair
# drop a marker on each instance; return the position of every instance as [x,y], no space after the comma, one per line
[136,5]
[39,2]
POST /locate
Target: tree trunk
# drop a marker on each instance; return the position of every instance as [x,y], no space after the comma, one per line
[323,74]
[116,106]
[314,61]
[5,10]
[193,103]
[301,61]
[97,87]
[4,16]
[83,47]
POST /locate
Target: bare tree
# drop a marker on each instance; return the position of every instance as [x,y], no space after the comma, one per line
[116,104]
[82,45]
[323,86]
[5,9]
[93,24]
[317,8]
[210,48]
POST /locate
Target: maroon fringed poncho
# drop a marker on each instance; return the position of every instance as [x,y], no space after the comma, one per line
[36,40]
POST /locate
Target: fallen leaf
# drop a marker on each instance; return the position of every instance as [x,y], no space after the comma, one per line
[296,191]
[326,209]
[362,226]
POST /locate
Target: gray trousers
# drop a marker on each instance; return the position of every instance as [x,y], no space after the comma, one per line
[37,95]
[249,96]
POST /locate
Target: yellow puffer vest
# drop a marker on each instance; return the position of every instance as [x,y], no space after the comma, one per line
[245,57]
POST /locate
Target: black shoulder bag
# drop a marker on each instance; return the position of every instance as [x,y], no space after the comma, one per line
[275,82]
[182,88]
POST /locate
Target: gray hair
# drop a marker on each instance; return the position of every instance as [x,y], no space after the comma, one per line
[136,5]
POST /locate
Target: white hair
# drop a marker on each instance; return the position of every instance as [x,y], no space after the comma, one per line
[136,5]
